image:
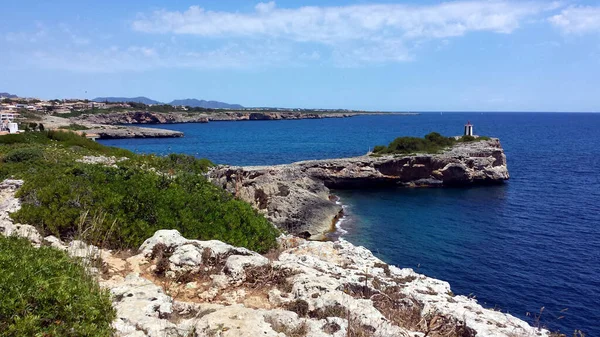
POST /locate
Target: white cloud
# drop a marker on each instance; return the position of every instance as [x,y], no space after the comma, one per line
[578,20]
[343,23]
[356,34]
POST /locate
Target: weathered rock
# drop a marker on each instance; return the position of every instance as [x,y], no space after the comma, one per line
[143,309]
[310,289]
[286,195]
[147,117]
[10,204]
[132,132]
[296,197]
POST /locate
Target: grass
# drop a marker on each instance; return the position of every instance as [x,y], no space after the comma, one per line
[431,143]
[74,127]
[142,195]
[44,293]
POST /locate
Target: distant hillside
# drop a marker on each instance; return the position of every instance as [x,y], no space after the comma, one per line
[7,95]
[194,103]
[141,99]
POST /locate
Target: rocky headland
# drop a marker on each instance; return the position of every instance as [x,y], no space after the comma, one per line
[147,117]
[297,197]
[173,286]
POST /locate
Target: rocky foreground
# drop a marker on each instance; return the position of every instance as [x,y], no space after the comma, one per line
[178,287]
[297,197]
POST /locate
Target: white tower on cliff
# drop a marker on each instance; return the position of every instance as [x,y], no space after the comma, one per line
[468,129]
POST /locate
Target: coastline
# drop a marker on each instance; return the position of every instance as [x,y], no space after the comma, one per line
[328,284]
[125,125]
[296,197]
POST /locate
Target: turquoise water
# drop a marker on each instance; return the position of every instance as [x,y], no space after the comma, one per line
[533,242]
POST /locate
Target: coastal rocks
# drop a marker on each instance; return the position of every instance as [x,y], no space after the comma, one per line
[178,287]
[147,117]
[288,197]
[10,204]
[309,289]
[296,197]
[478,162]
[132,132]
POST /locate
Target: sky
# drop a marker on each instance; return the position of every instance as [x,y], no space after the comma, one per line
[386,55]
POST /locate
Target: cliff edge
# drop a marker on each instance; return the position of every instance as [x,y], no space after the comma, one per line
[297,197]
[178,287]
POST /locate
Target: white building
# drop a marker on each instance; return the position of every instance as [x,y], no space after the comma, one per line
[7,123]
[468,129]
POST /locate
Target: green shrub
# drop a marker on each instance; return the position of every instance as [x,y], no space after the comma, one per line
[73,127]
[121,207]
[466,139]
[379,148]
[45,293]
[22,155]
[133,203]
[13,139]
[431,143]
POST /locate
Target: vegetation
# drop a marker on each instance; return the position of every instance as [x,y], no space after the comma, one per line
[74,127]
[119,207]
[431,143]
[45,294]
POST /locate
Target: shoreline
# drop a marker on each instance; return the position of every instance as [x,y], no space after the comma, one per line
[324,275]
[141,124]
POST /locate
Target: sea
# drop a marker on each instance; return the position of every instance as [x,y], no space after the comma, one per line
[529,247]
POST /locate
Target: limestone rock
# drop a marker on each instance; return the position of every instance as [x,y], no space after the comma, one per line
[296,197]
[142,309]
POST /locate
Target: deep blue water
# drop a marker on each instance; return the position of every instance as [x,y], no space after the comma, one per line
[533,242]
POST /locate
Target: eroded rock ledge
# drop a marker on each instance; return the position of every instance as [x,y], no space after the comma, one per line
[296,197]
[147,117]
[178,287]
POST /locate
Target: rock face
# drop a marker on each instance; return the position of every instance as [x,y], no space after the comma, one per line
[177,287]
[296,197]
[147,117]
[286,195]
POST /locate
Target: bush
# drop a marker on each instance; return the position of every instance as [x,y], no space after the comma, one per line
[126,205]
[121,207]
[72,126]
[45,293]
[379,148]
[22,155]
[12,139]
[431,143]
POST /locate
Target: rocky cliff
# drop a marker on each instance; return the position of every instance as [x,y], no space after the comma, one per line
[296,197]
[146,117]
[177,287]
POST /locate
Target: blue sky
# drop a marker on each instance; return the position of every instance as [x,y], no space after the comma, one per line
[386,55]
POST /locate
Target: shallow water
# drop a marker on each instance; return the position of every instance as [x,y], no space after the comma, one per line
[532,242]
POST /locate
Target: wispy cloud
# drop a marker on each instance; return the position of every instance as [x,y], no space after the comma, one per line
[372,33]
[578,20]
[270,36]
[343,23]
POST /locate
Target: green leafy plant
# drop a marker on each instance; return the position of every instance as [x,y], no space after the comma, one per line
[120,207]
[431,143]
[45,293]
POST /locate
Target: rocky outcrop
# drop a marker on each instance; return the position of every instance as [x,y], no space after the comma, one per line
[286,195]
[147,117]
[296,197]
[132,132]
[178,287]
